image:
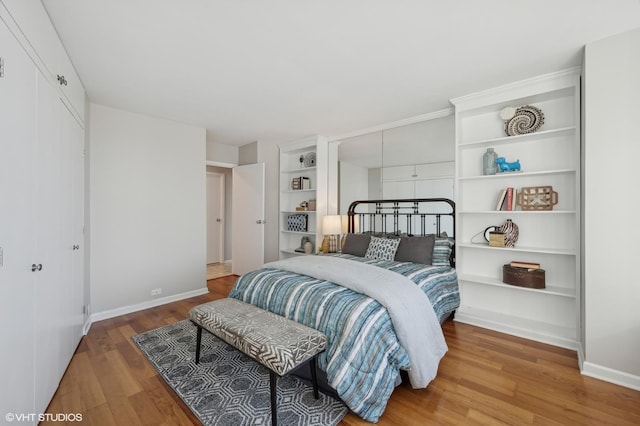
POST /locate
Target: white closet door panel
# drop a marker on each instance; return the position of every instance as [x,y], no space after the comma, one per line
[437,188]
[398,190]
[399,173]
[17,232]
[49,296]
[75,135]
[64,201]
[73,89]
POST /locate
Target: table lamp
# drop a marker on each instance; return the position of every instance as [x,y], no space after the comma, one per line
[331,228]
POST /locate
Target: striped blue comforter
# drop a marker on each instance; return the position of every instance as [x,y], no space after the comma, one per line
[363,358]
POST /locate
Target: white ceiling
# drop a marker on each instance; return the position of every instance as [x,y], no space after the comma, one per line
[278,70]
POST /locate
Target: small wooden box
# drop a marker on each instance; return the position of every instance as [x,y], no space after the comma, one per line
[521,277]
[496,239]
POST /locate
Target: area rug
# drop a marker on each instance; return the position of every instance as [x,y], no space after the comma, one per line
[228,387]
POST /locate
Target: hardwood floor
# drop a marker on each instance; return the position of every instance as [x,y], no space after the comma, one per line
[217,270]
[486,378]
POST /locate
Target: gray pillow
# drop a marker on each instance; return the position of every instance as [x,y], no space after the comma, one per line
[356,244]
[416,249]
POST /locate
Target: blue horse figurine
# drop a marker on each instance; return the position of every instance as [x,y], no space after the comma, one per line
[505,166]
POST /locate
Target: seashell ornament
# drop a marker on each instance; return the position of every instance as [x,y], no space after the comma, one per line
[525,119]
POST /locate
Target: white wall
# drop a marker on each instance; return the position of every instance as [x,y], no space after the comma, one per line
[222,153]
[248,154]
[611,231]
[148,208]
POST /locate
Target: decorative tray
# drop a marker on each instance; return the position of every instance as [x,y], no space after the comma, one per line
[537,198]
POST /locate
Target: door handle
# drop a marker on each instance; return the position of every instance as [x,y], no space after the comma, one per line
[218,220]
[37,267]
[261,222]
[76,247]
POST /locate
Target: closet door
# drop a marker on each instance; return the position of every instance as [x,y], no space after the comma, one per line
[17,232]
[72,141]
[51,296]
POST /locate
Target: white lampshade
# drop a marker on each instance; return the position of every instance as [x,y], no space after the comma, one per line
[331,224]
[345,223]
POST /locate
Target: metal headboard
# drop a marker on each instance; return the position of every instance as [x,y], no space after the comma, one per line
[411,216]
[401,216]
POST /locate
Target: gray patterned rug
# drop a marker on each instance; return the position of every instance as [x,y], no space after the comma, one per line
[227,387]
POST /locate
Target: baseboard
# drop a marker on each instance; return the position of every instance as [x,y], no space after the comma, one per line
[510,326]
[99,316]
[610,375]
[587,368]
[86,326]
[580,351]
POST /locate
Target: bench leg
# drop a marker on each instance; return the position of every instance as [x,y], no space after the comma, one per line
[198,342]
[314,377]
[274,393]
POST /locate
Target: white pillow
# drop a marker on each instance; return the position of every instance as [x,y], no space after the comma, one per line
[382,248]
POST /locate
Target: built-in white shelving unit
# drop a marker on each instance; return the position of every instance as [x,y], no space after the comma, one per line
[290,168]
[550,156]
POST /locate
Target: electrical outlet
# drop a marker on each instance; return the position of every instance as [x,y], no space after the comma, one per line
[156,291]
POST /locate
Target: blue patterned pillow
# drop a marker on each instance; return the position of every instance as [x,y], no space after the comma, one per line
[442,252]
[382,248]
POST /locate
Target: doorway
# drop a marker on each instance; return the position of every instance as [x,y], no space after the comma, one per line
[216,225]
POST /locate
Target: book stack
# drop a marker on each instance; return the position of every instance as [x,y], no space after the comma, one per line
[530,266]
[296,183]
[506,199]
[300,182]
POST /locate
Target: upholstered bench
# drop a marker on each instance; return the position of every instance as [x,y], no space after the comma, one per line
[272,340]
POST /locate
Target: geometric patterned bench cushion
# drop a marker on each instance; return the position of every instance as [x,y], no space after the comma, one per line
[273,340]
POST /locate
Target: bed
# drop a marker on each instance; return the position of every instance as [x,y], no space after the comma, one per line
[380,302]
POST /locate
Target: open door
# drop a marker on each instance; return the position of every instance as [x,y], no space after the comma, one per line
[215,217]
[248,218]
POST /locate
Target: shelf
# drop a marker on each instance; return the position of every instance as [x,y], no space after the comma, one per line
[297,191]
[299,170]
[518,212]
[297,253]
[550,156]
[549,290]
[298,211]
[297,232]
[509,175]
[564,131]
[541,250]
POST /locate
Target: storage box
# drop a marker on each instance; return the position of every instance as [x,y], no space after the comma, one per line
[297,222]
[521,277]
[496,239]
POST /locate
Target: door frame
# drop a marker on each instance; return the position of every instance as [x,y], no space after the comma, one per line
[221,195]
